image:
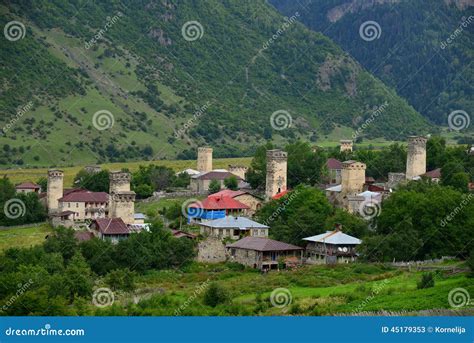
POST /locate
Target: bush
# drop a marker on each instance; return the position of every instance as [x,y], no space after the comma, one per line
[470,262]
[216,295]
[427,281]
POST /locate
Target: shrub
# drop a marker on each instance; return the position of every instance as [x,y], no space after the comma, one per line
[427,281]
[216,295]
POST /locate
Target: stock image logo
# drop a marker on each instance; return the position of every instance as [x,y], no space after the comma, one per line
[14,30]
[369,209]
[192,30]
[280,120]
[103,297]
[103,120]
[370,30]
[192,208]
[459,120]
[14,208]
[459,297]
[281,297]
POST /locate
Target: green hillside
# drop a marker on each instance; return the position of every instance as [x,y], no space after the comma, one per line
[424,49]
[132,64]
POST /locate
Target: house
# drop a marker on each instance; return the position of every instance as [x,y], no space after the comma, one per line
[112,229]
[183,234]
[86,204]
[233,228]
[331,247]
[28,187]
[264,253]
[434,175]
[334,168]
[253,201]
[139,218]
[215,207]
[64,218]
[188,171]
[200,182]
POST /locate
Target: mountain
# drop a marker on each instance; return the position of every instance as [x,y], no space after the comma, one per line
[89,81]
[424,49]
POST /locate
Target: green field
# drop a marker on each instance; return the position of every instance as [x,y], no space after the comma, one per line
[21,175]
[24,237]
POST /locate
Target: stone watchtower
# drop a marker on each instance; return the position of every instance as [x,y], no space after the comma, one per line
[55,189]
[204,160]
[352,177]
[121,199]
[416,157]
[346,145]
[238,170]
[276,172]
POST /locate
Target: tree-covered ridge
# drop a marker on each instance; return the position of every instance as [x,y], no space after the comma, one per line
[249,63]
[424,51]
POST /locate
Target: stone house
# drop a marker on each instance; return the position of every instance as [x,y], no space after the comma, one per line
[233,228]
[112,229]
[28,187]
[200,183]
[253,201]
[334,168]
[86,204]
[264,253]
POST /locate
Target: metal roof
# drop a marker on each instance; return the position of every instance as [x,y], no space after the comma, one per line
[333,237]
[234,223]
[262,244]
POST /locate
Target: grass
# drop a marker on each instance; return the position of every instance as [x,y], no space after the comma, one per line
[33,174]
[23,237]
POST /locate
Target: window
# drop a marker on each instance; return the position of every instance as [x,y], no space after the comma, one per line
[69,205]
[232,252]
[246,253]
[262,232]
[77,204]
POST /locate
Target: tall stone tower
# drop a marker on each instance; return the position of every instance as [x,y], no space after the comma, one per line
[238,170]
[352,177]
[55,189]
[416,157]
[276,172]
[121,199]
[119,182]
[204,159]
[346,145]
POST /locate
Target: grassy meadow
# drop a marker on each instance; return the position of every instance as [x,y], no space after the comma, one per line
[24,237]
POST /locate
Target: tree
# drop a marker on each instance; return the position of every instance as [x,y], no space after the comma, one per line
[143,191]
[426,281]
[214,186]
[95,182]
[78,277]
[256,174]
[62,241]
[231,183]
[215,295]
[43,183]
[351,224]
[122,279]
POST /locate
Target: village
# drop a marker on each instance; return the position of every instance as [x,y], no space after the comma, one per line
[227,227]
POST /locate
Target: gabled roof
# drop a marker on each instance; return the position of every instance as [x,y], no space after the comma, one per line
[227,193]
[262,244]
[332,163]
[281,194]
[333,237]
[85,196]
[180,234]
[215,175]
[27,185]
[111,226]
[220,203]
[433,174]
[242,223]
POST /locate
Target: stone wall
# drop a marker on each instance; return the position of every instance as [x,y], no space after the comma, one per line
[211,250]
[416,157]
[276,172]
[204,160]
[55,190]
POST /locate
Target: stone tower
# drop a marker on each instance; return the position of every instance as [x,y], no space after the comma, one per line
[352,177]
[121,199]
[276,172]
[416,157]
[346,145]
[238,170]
[55,189]
[119,182]
[204,160]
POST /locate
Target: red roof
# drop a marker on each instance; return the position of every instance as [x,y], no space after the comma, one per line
[281,194]
[332,163]
[262,244]
[434,174]
[111,226]
[220,203]
[217,175]
[227,193]
[27,185]
[180,234]
[85,196]
[375,188]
